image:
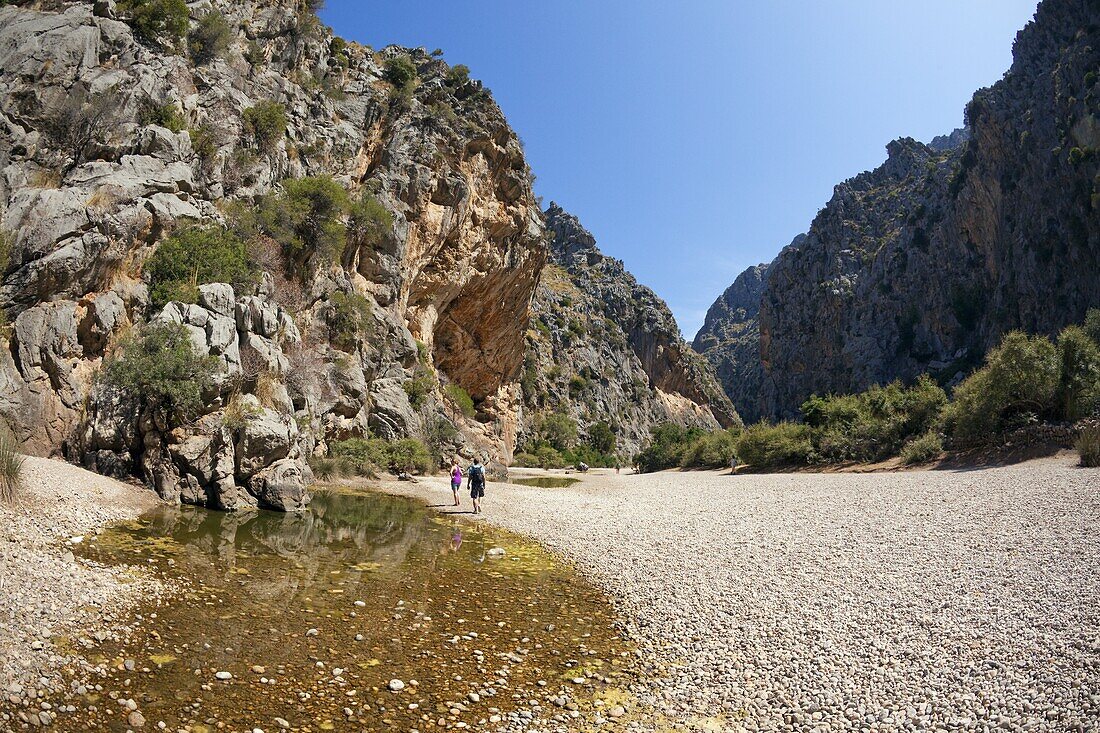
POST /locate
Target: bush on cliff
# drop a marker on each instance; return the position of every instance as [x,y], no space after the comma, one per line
[194,257]
[211,38]
[307,218]
[266,123]
[159,365]
[157,22]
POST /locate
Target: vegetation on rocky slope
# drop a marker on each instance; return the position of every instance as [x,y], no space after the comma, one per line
[925,263]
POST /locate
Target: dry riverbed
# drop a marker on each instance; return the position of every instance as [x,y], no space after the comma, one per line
[922,600]
[49,602]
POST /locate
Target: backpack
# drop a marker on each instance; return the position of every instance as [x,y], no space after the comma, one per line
[477,475]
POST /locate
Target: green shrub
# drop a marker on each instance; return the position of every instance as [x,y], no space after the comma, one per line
[439,433]
[11,466]
[462,399]
[194,257]
[211,38]
[159,366]
[1088,447]
[365,454]
[1018,384]
[1092,324]
[548,457]
[458,75]
[526,460]
[783,444]
[666,447]
[1079,381]
[165,114]
[418,388]
[557,430]
[158,22]
[601,437]
[368,222]
[205,142]
[266,123]
[306,218]
[874,424]
[350,319]
[400,71]
[254,54]
[710,450]
[410,455]
[331,469]
[923,449]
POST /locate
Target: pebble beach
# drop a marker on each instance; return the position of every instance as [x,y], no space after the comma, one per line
[902,601]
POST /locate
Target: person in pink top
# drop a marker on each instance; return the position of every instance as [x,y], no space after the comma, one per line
[456,479]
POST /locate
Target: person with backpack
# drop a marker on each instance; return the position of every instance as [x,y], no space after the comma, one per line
[476,480]
[456,479]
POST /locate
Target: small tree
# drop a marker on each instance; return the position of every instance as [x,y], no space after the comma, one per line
[157,22]
[193,257]
[266,123]
[166,114]
[462,399]
[400,71]
[211,38]
[558,430]
[368,222]
[1019,382]
[350,319]
[602,438]
[1079,381]
[159,366]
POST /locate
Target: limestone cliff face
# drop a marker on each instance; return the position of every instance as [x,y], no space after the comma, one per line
[89,186]
[605,349]
[923,263]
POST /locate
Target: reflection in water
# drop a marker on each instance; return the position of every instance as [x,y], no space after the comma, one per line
[546,482]
[314,614]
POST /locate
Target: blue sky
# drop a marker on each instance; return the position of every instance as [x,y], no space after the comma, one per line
[699,137]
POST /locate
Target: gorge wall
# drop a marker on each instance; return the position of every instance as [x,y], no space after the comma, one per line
[922,264]
[118,133]
[602,348]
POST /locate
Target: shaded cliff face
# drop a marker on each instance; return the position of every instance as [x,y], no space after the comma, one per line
[90,183]
[922,264]
[604,348]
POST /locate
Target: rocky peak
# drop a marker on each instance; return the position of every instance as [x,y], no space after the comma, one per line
[923,263]
[606,349]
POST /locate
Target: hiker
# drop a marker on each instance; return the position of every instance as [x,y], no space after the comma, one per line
[475,477]
[456,479]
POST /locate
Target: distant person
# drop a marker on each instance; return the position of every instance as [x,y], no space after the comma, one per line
[475,477]
[456,479]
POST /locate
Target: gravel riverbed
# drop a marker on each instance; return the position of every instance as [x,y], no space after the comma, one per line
[51,604]
[921,600]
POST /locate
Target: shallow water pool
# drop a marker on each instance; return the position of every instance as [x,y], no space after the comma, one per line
[309,617]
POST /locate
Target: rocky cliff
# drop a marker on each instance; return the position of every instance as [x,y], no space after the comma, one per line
[602,348]
[923,263]
[116,132]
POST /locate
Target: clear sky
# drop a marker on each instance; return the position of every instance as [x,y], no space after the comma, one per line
[697,138]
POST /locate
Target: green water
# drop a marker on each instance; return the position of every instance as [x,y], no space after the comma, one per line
[546,482]
[279,592]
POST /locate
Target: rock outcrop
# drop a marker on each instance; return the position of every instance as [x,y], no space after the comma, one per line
[109,142]
[603,348]
[922,264]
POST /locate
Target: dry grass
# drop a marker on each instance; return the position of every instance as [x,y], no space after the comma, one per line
[1088,447]
[11,467]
